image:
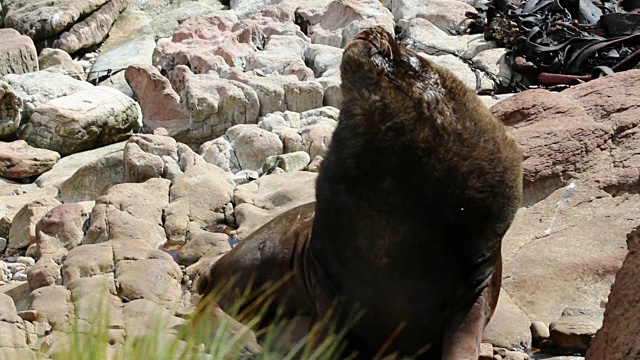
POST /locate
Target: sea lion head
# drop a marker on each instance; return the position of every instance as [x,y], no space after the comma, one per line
[374,66]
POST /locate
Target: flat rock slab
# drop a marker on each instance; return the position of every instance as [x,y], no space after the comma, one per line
[67,166]
[83,121]
[18,160]
[93,29]
[40,19]
[17,53]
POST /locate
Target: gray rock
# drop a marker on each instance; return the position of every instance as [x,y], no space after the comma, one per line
[252,146]
[40,87]
[40,19]
[28,261]
[3,245]
[445,14]
[288,162]
[17,53]
[10,111]
[83,121]
[260,201]
[93,179]
[93,29]
[198,198]
[69,165]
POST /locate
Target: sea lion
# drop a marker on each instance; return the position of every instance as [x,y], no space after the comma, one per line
[418,187]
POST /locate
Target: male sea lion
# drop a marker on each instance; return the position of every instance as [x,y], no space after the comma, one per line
[419,186]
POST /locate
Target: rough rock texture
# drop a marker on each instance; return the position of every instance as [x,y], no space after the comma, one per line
[61,230]
[40,87]
[509,326]
[18,160]
[340,21]
[159,102]
[132,39]
[198,198]
[93,29]
[130,211]
[15,200]
[17,53]
[13,335]
[262,200]
[575,328]
[93,179]
[69,165]
[56,60]
[10,111]
[617,339]
[23,226]
[445,14]
[40,19]
[581,191]
[82,121]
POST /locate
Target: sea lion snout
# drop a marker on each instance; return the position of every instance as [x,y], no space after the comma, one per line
[381,42]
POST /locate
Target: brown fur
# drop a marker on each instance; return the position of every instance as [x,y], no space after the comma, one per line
[418,187]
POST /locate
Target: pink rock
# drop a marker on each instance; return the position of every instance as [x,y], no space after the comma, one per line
[160,104]
[341,20]
[19,160]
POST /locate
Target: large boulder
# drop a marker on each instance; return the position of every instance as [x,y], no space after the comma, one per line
[12,202]
[18,160]
[130,211]
[618,339]
[40,87]
[82,121]
[93,29]
[17,53]
[580,194]
[445,14]
[41,19]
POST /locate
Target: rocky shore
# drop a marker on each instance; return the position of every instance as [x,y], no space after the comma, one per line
[141,139]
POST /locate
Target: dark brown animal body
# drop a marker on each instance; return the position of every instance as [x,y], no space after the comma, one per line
[416,192]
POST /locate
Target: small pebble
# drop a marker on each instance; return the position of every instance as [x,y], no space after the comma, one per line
[20,276]
[84,63]
[539,331]
[185,279]
[29,261]
[15,267]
